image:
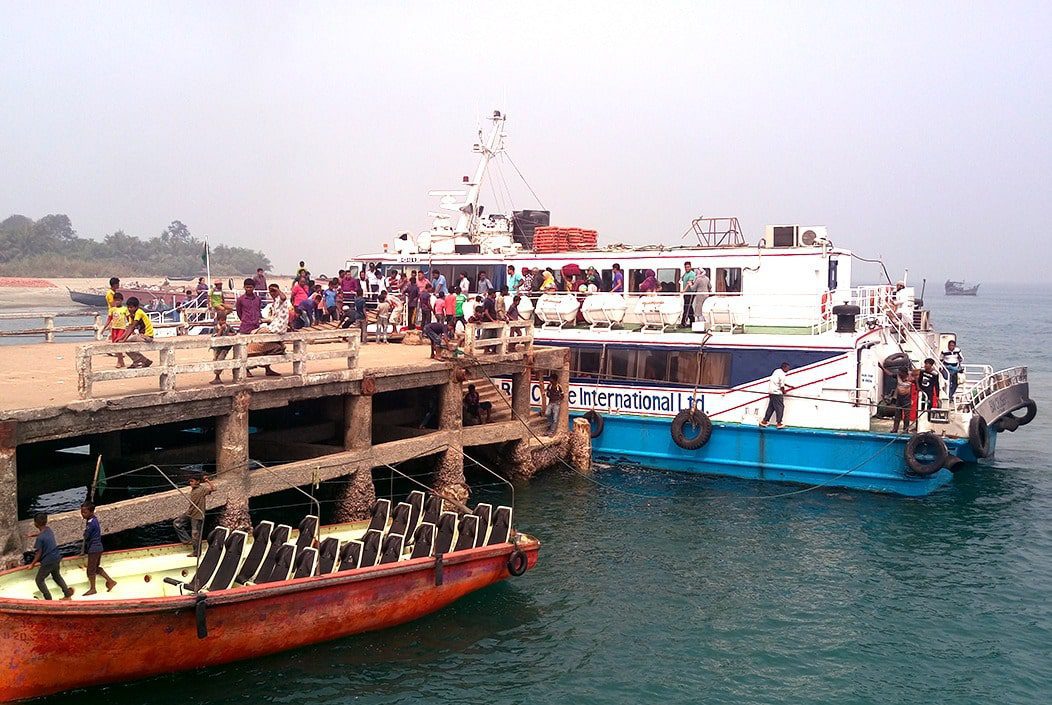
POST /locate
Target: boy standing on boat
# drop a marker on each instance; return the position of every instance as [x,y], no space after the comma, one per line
[47,557]
[776,396]
[928,384]
[93,548]
[195,513]
[686,287]
[903,401]
[952,360]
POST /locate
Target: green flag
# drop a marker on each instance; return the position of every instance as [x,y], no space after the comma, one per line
[204,255]
[99,486]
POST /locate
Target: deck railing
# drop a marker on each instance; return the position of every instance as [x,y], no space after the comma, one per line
[498,338]
[238,361]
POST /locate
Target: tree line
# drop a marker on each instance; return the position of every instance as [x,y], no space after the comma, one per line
[50,247]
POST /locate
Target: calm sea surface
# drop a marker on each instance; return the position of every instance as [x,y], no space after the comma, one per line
[701,591]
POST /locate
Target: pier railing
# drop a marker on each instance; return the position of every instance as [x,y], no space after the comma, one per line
[48,329]
[293,349]
[498,338]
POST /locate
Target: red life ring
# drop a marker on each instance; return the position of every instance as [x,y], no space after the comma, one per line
[827,299]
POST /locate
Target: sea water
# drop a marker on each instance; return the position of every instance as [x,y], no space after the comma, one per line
[654,587]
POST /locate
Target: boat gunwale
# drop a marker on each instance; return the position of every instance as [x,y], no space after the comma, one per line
[248,593]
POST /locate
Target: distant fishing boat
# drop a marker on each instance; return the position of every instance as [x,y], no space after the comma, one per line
[251,594]
[961,288]
[87,298]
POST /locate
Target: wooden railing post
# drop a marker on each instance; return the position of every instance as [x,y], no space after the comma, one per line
[166,358]
[299,365]
[49,329]
[241,355]
[84,371]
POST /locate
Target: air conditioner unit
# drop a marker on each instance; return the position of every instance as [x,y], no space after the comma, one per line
[783,236]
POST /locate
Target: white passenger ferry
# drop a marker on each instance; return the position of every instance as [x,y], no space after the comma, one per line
[692,398]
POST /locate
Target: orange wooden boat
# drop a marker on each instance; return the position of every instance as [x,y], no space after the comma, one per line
[168,613]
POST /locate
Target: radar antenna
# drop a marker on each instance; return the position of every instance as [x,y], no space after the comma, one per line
[716,232]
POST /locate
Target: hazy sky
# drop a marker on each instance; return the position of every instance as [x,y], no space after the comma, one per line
[916,131]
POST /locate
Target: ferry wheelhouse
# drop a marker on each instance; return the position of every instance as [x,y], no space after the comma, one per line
[692,397]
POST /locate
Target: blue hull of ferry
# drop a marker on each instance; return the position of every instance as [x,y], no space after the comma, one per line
[804,456]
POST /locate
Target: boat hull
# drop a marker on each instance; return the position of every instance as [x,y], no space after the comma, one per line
[874,462]
[46,647]
[87,298]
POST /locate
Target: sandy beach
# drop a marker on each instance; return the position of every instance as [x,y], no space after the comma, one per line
[18,293]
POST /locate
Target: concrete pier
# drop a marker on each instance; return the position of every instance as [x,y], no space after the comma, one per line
[335,422]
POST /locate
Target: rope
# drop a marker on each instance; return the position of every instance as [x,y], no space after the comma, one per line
[510,161]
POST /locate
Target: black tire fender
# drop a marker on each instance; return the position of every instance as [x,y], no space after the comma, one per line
[1006,423]
[896,360]
[518,562]
[979,436]
[934,446]
[695,417]
[596,422]
[1031,413]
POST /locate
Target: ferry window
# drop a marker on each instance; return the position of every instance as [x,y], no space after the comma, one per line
[715,369]
[683,367]
[621,364]
[635,278]
[832,274]
[728,279]
[652,365]
[607,276]
[585,361]
[668,279]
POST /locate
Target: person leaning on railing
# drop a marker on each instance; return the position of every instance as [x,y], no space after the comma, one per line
[140,330]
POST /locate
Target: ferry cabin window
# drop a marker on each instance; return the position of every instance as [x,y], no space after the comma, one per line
[668,280]
[715,368]
[728,279]
[832,274]
[620,364]
[584,362]
[652,365]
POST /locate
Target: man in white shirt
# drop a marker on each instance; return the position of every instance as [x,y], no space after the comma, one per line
[776,399]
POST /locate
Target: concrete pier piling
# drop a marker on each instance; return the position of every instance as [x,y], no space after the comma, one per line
[329,418]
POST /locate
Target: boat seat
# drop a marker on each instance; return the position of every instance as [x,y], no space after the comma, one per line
[278,537]
[416,501]
[284,558]
[423,541]
[370,548]
[500,528]
[400,519]
[379,513]
[308,532]
[260,544]
[392,548]
[432,509]
[232,555]
[350,555]
[306,562]
[447,533]
[210,561]
[328,554]
[484,512]
[467,530]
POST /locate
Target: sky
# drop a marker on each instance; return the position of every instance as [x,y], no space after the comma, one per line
[918,132]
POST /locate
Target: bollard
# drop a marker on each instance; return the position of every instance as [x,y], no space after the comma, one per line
[581,445]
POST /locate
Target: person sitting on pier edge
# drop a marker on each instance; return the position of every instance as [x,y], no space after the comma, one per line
[249,308]
[776,396]
[928,385]
[116,321]
[903,401]
[555,400]
[952,359]
[475,410]
[92,548]
[275,320]
[438,334]
[194,516]
[140,330]
[221,329]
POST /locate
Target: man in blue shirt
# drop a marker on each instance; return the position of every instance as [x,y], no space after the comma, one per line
[47,557]
[618,284]
[93,548]
[439,282]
